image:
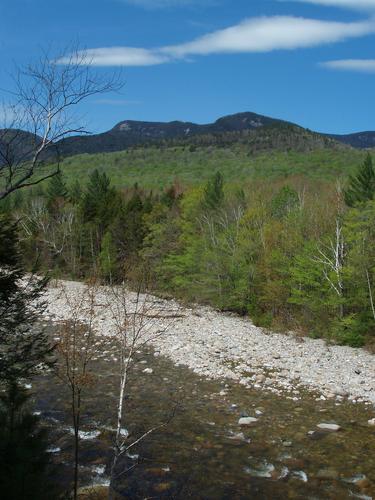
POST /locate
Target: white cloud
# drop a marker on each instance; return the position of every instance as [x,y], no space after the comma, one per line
[348,4]
[121,56]
[262,34]
[266,34]
[359,65]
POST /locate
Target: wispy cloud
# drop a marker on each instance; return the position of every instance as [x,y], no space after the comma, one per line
[121,56]
[359,65]
[266,34]
[347,4]
[262,34]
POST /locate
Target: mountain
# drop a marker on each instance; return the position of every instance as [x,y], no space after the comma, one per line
[16,145]
[260,133]
[132,133]
[360,140]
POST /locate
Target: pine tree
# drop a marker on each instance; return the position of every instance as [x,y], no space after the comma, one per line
[285,201]
[57,191]
[23,346]
[23,449]
[214,192]
[361,187]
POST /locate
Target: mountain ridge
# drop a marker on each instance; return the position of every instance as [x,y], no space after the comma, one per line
[262,133]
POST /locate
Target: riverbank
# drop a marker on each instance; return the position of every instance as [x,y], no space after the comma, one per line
[218,346]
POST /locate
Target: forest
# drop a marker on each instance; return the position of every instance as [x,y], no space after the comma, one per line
[294,255]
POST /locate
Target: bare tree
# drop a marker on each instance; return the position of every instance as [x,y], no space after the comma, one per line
[139,319]
[331,255]
[42,113]
[78,346]
[55,231]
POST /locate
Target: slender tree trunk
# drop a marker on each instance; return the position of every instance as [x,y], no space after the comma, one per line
[370,293]
[76,404]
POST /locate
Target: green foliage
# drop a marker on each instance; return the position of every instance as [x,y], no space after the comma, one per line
[23,445]
[56,190]
[214,192]
[156,167]
[285,201]
[108,257]
[361,187]
[349,331]
[264,248]
[97,202]
[23,346]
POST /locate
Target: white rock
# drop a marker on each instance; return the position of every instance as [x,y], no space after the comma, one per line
[329,427]
[148,370]
[247,421]
[372,421]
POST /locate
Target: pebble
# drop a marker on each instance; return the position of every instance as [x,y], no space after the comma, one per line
[148,370]
[287,444]
[371,422]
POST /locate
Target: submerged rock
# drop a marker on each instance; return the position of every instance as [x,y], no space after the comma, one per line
[299,474]
[327,474]
[262,470]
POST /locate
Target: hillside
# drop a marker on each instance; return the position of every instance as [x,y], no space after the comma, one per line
[268,133]
[155,168]
[259,133]
[359,140]
[132,133]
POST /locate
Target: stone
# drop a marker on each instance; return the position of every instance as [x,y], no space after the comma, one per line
[260,378]
[329,427]
[148,370]
[371,422]
[243,421]
[287,444]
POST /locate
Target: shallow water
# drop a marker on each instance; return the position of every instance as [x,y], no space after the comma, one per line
[203,453]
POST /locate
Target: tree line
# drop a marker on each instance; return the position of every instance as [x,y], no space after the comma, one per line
[294,256]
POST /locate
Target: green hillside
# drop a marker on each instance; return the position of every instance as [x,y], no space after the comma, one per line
[155,168]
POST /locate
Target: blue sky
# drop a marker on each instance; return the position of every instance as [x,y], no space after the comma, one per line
[307,61]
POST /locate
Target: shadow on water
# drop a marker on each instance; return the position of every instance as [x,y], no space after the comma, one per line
[203,453]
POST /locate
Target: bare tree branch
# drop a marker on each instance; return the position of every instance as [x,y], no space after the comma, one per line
[42,114]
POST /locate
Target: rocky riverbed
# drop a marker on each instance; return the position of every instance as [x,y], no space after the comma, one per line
[222,346]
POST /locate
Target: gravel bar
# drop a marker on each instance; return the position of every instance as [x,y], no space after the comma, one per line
[219,345]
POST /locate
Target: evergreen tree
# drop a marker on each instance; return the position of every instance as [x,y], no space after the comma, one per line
[23,346]
[214,192]
[100,204]
[57,191]
[23,445]
[75,192]
[361,187]
[285,201]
